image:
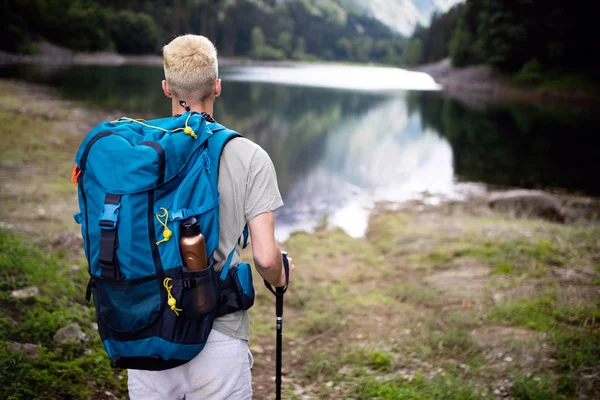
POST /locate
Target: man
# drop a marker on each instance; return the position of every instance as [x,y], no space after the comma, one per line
[249,195]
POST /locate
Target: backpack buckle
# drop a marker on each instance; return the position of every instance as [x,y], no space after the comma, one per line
[189,283]
[109,216]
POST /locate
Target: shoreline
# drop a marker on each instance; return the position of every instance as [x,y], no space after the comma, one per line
[479,87]
[110,59]
[475,86]
[51,54]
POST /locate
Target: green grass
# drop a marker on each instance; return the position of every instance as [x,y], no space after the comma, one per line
[326,365]
[452,342]
[380,360]
[321,364]
[573,333]
[509,257]
[535,388]
[518,251]
[415,294]
[22,266]
[72,370]
[544,313]
[505,269]
[439,387]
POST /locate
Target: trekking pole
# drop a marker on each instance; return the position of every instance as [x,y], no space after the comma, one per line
[278,292]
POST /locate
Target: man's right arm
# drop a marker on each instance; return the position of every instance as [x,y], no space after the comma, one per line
[267,254]
[262,197]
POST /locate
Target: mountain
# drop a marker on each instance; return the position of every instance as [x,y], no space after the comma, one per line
[400,15]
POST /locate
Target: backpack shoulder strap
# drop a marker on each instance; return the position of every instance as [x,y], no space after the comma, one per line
[216,142]
[220,137]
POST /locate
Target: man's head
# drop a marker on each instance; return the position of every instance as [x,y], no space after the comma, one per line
[191,69]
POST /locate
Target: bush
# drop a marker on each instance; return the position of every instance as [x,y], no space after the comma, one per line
[260,50]
[268,53]
[133,33]
[530,74]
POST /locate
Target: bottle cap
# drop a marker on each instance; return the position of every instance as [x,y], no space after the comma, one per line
[190,227]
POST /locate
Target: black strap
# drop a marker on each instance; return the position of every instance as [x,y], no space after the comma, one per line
[229,297]
[191,283]
[184,104]
[88,290]
[108,237]
[209,118]
[286,267]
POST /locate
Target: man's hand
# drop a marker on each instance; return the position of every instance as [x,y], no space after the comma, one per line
[282,281]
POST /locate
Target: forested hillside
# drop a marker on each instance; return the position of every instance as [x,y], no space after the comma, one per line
[530,40]
[401,15]
[262,29]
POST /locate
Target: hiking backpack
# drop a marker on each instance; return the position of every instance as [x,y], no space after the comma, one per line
[137,180]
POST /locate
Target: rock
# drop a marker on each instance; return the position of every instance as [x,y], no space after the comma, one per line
[29,349]
[26,292]
[528,203]
[74,268]
[68,240]
[11,321]
[72,331]
[256,349]
[498,297]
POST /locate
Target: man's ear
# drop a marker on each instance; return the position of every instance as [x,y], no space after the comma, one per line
[166,89]
[218,88]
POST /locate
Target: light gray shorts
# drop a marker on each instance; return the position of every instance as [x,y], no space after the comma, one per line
[220,371]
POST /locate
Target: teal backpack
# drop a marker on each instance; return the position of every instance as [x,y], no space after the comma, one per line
[137,181]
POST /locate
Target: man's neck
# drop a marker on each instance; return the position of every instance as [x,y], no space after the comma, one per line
[206,106]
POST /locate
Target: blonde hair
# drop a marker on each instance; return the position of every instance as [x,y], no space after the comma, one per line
[191,69]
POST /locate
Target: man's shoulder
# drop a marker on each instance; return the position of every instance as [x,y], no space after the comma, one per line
[242,144]
[242,148]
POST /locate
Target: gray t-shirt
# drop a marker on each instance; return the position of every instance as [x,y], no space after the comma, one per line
[248,187]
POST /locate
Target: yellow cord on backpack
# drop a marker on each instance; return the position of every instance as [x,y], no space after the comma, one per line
[167,232]
[188,129]
[141,122]
[171,301]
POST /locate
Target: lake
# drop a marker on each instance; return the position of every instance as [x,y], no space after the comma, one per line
[345,137]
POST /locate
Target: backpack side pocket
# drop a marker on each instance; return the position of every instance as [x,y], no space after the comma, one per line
[199,296]
[242,279]
[237,290]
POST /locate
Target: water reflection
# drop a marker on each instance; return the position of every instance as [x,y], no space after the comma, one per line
[338,152]
[517,145]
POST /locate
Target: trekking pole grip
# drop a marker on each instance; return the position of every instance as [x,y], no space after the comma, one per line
[279,291]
